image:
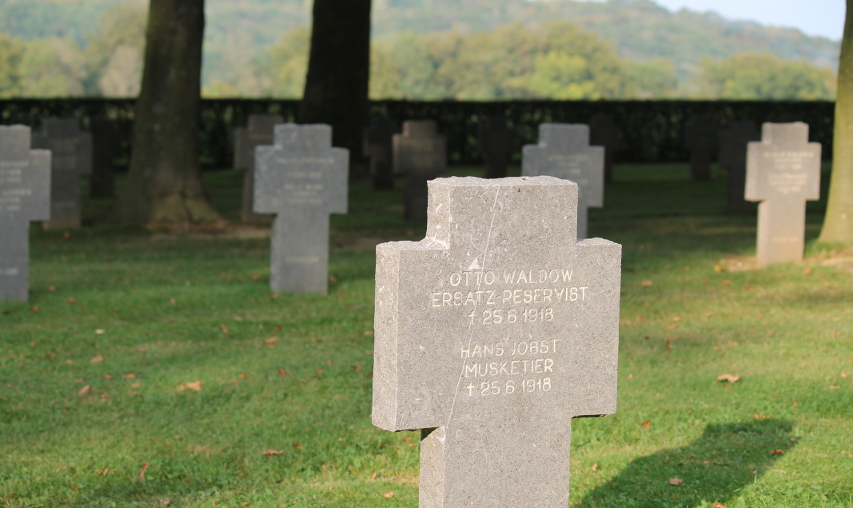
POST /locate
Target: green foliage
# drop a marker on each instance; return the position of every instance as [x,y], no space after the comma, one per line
[114,52]
[763,76]
[11,53]
[52,68]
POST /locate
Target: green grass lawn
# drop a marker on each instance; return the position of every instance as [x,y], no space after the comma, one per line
[157,369]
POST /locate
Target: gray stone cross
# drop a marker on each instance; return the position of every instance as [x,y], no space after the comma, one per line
[302,179]
[24,197]
[733,142]
[71,151]
[420,153]
[564,152]
[782,172]
[700,137]
[258,132]
[491,334]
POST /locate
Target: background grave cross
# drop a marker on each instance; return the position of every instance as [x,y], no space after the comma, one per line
[258,132]
[700,137]
[24,197]
[71,158]
[420,153]
[302,179]
[782,172]
[564,152]
[491,334]
[733,142]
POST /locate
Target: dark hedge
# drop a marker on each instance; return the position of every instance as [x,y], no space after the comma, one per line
[652,130]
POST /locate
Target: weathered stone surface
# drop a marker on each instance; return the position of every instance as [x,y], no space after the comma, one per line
[491,334]
[301,179]
[700,137]
[564,152]
[378,147]
[259,132]
[603,131]
[732,157]
[782,172]
[71,158]
[496,140]
[24,197]
[420,153]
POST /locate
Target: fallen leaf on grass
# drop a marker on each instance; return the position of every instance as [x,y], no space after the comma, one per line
[719,505]
[389,494]
[594,467]
[195,385]
[729,378]
[668,345]
[297,446]
[51,288]
[282,372]
[68,362]
[99,332]
[107,377]
[104,471]
[97,359]
[675,481]
[671,327]
[834,387]
[129,376]
[332,278]
[647,424]
[357,368]
[807,271]
[368,333]
[34,309]
[271,340]
[725,283]
[86,389]
[760,417]
[778,452]
[718,268]
[795,404]
[71,301]
[318,372]
[273,452]
[142,473]
[223,328]
[646,283]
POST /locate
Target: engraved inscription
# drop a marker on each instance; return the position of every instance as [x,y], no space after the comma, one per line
[787,174]
[509,360]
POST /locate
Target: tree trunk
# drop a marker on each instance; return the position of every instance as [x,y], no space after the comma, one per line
[336,87]
[838,223]
[164,182]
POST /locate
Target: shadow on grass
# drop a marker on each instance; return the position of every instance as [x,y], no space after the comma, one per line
[727,458]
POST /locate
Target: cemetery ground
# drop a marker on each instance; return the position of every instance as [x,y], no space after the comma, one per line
[156,368]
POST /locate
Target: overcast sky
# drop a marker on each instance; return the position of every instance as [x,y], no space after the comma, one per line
[814,17]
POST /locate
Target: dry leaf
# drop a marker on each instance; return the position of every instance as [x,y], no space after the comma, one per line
[223,328]
[368,333]
[99,332]
[778,452]
[647,424]
[729,378]
[718,268]
[297,446]
[34,308]
[594,467]
[671,327]
[134,385]
[725,283]
[68,362]
[97,359]
[389,494]
[357,368]
[107,377]
[282,372]
[71,301]
[142,473]
[760,417]
[834,387]
[807,271]
[129,376]
[328,362]
[795,404]
[273,452]
[318,372]
[676,319]
[104,471]
[51,288]
[195,385]
[646,283]
[86,389]
[675,481]
[668,345]
[271,340]
[719,505]
[373,476]
[332,278]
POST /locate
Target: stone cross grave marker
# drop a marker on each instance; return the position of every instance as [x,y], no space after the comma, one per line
[603,131]
[259,132]
[302,180]
[377,146]
[733,142]
[491,334]
[496,140]
[71,158]
[564,152]
[700,137]
[24,197]
[420,153]
[782,173]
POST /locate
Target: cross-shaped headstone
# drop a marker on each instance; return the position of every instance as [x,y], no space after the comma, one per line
[24,197]
[491,334]
[564,152]
[302,180]
[733,143]
[782,172]
[71,158]
[603,131]
[700,137]
[259,132]
[420,153]
[496,140]
[377,146]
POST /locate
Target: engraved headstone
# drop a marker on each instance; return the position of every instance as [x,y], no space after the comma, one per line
[603,131]
[564,152]
[302,180]
[106,148]
[491,334]
[24,197]
[71,158]
[700,137]
[420,153]
[496,140]
[733,141]
[377,146]
[258,133]
[782,173]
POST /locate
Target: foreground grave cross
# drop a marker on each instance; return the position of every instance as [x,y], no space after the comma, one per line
[302,179]
[564,152]
[491,334]
[782,172]
[24,197]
